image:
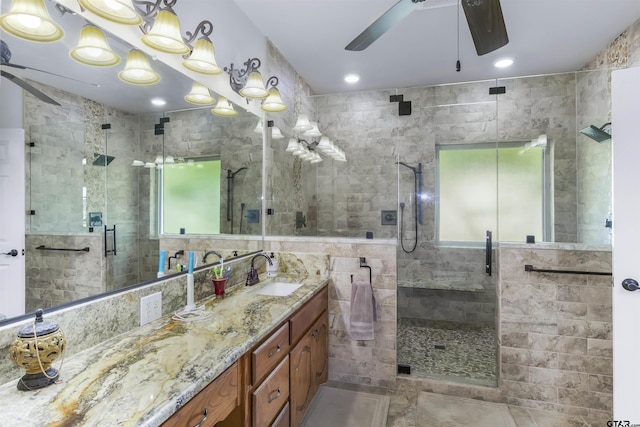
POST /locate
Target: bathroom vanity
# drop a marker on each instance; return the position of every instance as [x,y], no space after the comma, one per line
[256,361]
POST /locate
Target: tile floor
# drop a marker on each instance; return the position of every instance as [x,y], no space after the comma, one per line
[448,350]
[412,407]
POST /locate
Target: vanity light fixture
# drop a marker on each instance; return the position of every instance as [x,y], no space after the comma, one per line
[314,132]
[138,71]
[118,11]
[202,58]
[29,20]
[259,127]
[276,133]
[224,108]
[302,124]
[248,82]
[165,34]
[200,95]
[93,48]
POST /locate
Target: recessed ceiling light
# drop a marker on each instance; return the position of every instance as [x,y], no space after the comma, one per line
[503,63]
[158,102]
[351,78]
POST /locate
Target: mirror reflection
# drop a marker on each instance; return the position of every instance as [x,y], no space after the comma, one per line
[374,193]
[102,177]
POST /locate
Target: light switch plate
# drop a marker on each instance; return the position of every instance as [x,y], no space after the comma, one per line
[150,308]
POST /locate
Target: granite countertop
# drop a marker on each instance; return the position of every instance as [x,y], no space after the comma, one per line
[141,378]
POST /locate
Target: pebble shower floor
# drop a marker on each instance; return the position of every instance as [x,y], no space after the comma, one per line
[469,352]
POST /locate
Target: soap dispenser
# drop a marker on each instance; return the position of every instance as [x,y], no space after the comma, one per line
[272,270]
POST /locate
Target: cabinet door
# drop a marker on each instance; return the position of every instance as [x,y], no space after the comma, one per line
[213,404]
[320,351]
[301,379]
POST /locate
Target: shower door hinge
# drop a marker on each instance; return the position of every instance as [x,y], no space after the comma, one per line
[106,126]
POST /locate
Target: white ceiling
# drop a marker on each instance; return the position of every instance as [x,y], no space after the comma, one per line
[546,36]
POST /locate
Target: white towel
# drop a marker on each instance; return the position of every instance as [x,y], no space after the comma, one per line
[363,311]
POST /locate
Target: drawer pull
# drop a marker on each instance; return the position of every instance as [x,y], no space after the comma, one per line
[271,353]
[275,393]
[204,417]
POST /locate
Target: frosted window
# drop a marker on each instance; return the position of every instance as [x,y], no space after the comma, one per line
[191,197]
[487,189]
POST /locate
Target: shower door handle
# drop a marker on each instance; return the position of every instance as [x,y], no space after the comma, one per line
[487,263]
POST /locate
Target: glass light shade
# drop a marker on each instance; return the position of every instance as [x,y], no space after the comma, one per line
[316,158]
[137,163]
[165,34]
[29,20]
[292,146]
[254,87]
[314,131]
[93,49]
[159,160]
[258,128]
[224,108]
[325,145]
[169,160]
[273,102]
[149,165]
[302,124]
[276,133]
[200,95]
[202,59]
[119,11]
[138,71]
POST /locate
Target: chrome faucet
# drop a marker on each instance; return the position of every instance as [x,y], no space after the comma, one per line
[252,277]
[204,258]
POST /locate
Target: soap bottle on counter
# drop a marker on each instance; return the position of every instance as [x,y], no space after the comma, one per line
[272,269]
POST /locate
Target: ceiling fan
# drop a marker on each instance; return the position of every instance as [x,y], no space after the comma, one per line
[484,18]
[5,57]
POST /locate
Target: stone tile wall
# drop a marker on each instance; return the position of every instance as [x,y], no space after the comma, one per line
[359,362]
[556,332]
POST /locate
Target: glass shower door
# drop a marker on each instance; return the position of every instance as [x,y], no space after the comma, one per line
[446,300]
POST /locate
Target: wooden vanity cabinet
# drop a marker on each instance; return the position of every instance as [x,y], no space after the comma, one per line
[272,385]
[301,345]
[213,404]
[309,368]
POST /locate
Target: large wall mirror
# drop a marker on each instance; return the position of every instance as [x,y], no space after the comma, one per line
[109,176]
[374,193]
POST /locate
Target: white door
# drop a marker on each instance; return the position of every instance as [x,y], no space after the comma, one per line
[625,111]
[12,214]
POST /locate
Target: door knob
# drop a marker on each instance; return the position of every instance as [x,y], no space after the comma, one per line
[12,252]
[630,285]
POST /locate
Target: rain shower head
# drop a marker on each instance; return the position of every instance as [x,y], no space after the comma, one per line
[597,134]
[102,159]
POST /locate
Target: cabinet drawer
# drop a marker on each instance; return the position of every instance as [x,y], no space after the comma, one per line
[215,401]
[282,420]
[271,396]
[269,354]
[304,318]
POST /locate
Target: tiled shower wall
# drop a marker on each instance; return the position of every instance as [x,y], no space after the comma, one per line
[358,362]
[556,332]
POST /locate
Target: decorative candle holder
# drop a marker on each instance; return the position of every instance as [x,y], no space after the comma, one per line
[35,349]
[218,287]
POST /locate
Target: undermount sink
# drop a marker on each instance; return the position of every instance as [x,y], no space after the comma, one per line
[278,289]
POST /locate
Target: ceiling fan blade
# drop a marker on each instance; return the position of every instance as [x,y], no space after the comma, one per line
[486,24]
[24,67]
[380,26]
[26,86]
